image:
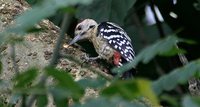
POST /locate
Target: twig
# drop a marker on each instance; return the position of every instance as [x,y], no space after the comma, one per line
[59,41]
[194,83]
[13,58]
[158,23]
[182,57]
[54,59]
[16,68]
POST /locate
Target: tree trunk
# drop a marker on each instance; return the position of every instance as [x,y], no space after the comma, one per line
[36,49]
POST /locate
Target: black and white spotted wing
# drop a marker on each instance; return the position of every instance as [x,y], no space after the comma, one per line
[117,39]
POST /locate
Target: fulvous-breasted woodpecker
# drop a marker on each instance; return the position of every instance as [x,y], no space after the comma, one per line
[110,41]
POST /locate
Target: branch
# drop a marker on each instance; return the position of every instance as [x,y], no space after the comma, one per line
[194,83]
[86,66]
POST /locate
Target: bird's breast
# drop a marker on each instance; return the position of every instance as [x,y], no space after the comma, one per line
[103,48]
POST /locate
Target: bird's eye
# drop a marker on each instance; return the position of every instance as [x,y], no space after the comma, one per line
[91,26]
[79,28]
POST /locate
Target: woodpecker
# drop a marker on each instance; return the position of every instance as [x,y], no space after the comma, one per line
[110,41]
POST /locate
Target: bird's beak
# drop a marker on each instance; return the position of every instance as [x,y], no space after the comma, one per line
[76,38]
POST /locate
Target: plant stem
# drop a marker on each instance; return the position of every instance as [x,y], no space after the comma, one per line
[158,23]
[13,58]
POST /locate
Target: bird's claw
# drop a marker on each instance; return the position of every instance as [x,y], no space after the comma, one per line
[86,58]
[89,59]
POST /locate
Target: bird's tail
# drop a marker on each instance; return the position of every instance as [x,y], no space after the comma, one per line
[129,74]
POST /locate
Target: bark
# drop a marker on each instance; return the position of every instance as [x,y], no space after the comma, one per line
[36,49]
[194,86]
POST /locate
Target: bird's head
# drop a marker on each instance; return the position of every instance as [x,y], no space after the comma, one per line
[84,30]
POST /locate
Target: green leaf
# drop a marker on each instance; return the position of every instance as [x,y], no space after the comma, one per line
[152,32]
[110,102]
[14,98]
[175,77]
[191,101]
[32,2]
[106,10]
[34,30]
[93,83]
[60,96]
[164,47]
[65,83]
[42,101]
[24,79]
[171,100]
[197,5]
[131,90]
[37,90]
[69,9]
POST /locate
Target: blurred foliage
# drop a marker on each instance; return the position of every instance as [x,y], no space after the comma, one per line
[189,101]
[22,80]
[110,102]
[197,5]
[130,14]
[107,10]
[131,90]
[38,12]
[177,76]
[65,84]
